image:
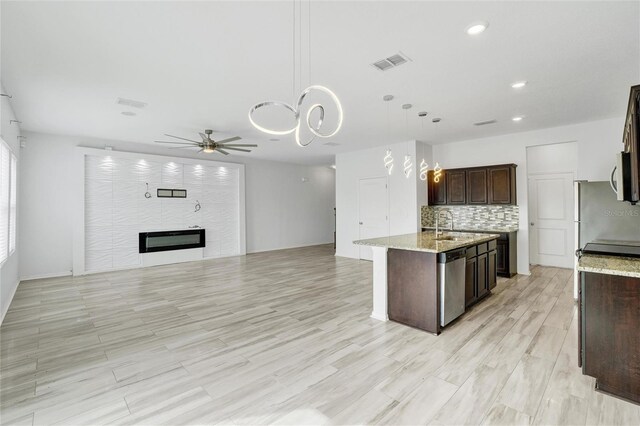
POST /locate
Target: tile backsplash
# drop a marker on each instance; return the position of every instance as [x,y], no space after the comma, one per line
[473,217]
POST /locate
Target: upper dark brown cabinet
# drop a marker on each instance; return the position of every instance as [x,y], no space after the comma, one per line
[502,184]
[437,191]
[477,186]
[474,186]
[456,187]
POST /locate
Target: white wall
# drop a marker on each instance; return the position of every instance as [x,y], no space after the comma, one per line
[281,210]
[598,141]
[9,272]
[404,209]
[116,209]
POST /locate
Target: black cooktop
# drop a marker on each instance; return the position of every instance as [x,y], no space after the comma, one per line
[613,248]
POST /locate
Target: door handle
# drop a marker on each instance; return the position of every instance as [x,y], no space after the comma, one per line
[532,223]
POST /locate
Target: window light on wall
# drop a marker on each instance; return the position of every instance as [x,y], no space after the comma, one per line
[8,167]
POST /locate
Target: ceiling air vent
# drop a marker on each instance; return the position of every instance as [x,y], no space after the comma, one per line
[391,62]
[131,103]
[484,123]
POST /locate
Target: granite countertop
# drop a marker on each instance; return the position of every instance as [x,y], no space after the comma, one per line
[426,241]
[610,265]
[499,229]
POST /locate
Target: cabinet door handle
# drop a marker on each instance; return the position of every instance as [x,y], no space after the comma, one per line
[360,223]
[532,223]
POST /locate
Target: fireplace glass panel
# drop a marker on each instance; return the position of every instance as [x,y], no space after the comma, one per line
[172,240]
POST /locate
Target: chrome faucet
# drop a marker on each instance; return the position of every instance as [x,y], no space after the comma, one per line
[438,220]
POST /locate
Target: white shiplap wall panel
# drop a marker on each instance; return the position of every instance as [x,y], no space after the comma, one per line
[116,209]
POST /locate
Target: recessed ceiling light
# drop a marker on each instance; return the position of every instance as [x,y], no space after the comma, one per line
[477,27]
[517,118]
[128,113]
[519,84]
[274,139]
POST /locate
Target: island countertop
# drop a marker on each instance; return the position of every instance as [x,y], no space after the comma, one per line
[610,265]
[426,241]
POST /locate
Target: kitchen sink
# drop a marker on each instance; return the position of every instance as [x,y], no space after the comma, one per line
[454,236]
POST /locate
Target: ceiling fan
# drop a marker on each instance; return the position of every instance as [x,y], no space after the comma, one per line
[208,145]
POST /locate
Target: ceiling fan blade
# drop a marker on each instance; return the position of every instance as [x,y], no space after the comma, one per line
[241,144]
[175,143]
[183,147]
[222,151]
[223,141]
[184,139]
[203,136]
[237,149]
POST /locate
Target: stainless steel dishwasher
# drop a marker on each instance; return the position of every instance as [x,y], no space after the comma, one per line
[451,279]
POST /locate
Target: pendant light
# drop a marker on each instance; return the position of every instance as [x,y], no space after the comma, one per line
[314,128]
[424,167]
[437,170]
[408,165]
[388,158]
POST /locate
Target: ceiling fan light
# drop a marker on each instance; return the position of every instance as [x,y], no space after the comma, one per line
[208,149]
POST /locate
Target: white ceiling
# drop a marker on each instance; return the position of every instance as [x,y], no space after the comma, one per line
[203,64]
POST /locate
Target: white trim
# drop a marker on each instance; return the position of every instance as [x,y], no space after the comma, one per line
[289,247]
[4,312]
[380,305]
[379,318]
[43,276]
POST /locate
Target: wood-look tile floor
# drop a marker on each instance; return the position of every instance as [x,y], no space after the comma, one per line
[285,337]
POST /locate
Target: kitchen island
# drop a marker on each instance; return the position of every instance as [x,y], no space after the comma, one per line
[405,274]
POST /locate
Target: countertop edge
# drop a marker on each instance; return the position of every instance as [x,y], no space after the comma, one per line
[454,245]
[610,265]
[499,231]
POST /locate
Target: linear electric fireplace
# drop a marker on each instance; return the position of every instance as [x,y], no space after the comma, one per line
[170,240]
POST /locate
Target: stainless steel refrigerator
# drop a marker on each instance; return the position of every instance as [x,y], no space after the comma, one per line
[599,216]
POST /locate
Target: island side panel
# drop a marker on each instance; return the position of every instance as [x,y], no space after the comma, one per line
[412,289]
[610,323]
[379,284]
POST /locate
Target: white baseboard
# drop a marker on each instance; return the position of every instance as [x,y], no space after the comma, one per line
[6,309]
[49,275]
[379,317]
[289,247]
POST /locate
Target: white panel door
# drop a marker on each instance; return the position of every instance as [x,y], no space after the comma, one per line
[551,226]
[373,208]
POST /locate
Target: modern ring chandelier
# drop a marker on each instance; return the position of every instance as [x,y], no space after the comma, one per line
[314,127]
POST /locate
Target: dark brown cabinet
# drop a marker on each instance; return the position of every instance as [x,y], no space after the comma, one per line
[436,191]
[470,277]
[480,272]
[609,341]
[474,186]
[456,187]
[492,272]
[482,287]
[502,257]
[477,186]
[502,184]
